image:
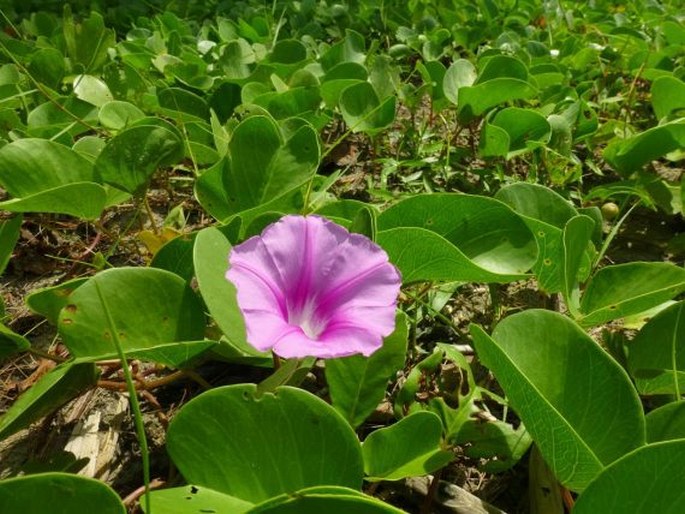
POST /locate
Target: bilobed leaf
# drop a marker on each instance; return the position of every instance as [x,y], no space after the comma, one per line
[456,237]
[646,479]
[259,180]
[656,359]
[46,395]
[58,493]
[625,289]
[172,313]
[357,384]
[190,499]
[525,128]
[257,447]
[410,447]
[545,364]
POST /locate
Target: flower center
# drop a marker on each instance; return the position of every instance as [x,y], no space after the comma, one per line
[305,318]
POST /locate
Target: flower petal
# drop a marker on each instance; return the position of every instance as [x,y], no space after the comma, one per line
[307,287]
[332,344]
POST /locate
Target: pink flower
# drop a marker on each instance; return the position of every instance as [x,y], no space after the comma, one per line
[308,287]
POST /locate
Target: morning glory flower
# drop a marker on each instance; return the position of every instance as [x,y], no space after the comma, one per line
[309,288]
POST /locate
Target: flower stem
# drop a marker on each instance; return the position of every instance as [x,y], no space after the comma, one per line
[133,398]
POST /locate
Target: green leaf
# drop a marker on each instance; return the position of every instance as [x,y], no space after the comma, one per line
[456,237]
[255,448]
[502,66]
[190,499]
[476,100]
[363,111]
[58,493]
[576,237]
[172,313]
[92,90]
[328,499]
[44,176]
[118,115]
[668,97]
[182,105]
[253,179]
[177,256]
[357,384]
[133,155]
[81,199]
[47,67]
[460,74]
[548,366]
[648,479]
[11,342]
[526,128]
[46,395]
[62,119]
[656,356]
[88,42]
[9,235]
[50,300]
[210,256]
[498,443]
[625,289]
[631,154]
[410,447]
[546,214]
[666,422]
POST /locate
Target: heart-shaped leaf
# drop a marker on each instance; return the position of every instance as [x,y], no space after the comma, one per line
[545,364]
[257,447]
